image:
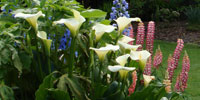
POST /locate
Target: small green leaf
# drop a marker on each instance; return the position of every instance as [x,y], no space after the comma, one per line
[94,13]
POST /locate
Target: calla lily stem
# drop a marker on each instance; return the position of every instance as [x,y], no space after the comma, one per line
[72,52]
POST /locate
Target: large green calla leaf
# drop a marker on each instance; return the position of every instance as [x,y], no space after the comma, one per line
[42,92]
[57,94]
[94,13]
[112,89]
[6,93]
[73,84]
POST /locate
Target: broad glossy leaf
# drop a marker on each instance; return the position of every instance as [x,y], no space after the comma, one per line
[73,84]
[6,93]
[57,94]
[112,89]
[93,13]
[42,92]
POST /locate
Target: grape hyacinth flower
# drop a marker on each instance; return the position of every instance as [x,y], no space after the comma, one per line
[63,41]
[177,52]
[140,35]
[150,36]
[131,89]
[185,70]
[157,58]
[120,10]
[170,67]
[147,70]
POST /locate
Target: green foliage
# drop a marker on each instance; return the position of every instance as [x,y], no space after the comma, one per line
[93,13]
[6,93]
[73,73]
[193,14]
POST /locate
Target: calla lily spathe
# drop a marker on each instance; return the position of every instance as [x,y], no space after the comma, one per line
[142,56]
[100,29]
[123,71]
[47,42]
[101,52]
[31,18]
[126,39]
[122,60]
[148,79]
[73,24]
[125,46]
[122,22]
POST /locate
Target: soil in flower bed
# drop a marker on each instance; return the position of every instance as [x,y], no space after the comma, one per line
[171,31]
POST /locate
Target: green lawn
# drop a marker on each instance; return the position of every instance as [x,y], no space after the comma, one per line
[194,75]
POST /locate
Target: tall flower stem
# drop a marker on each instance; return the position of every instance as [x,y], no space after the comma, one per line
[38,56]
[72,52]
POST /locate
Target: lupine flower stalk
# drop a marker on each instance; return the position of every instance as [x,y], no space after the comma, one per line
[178,84]
[147,70]
[170,67]
[131,34]
[157,58]
[177,52]
[131,89]
[150,36]
[140,36]
[185,70]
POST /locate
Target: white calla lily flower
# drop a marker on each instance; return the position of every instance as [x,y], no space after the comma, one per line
[148,79]
[47,42]
[142,56]
[100,29]
[101,52]
[31,18]
[123,71]
[125,46]
[122,60]
[73,24]
[126,39]
[122,22]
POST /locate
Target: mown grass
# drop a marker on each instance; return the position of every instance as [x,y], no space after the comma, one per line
[194,75]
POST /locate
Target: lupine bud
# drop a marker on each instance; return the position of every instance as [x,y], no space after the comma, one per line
[185,70]
[147,70]
[150,36]
[170,67]
[131,89]
[177,52]
[157,58]
[167,83]
[178,84]
[140,36]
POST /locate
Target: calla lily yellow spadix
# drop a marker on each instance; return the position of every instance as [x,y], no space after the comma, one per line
[73,24]
[122,22]
[125,46]
[100,29]
[126,39]
[31,18]
[142,56]
[47,42]
[148,79]
[123,71]
[101,52]
[122,60]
